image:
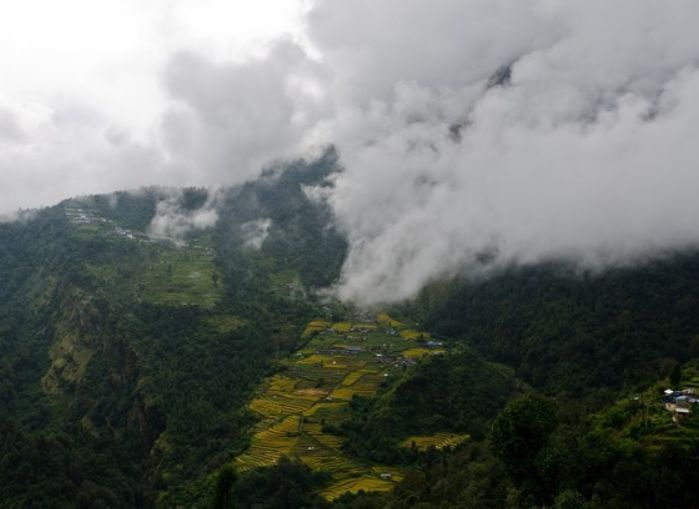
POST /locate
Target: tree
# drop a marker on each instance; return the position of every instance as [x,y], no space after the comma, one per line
[520,438]
[223,498]
[569,499]
[694,347]
[676,375]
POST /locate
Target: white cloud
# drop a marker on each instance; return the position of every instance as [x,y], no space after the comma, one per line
[255,232]
[229,119]
[173,222]
[585,155]
[585,152]
[86,67]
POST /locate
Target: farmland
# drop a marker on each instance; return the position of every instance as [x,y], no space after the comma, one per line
[301,405]
[438,441]
[162,272]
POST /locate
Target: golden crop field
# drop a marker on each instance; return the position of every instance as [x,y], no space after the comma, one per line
[342,327]
[385,319]
[314,429]
[280,405]
[315,326]
[438,440]
[269,445]
[416,353]
[413,334]
[316,359]
[314,391]
[353,377]
[354,485]
[280,383]
[323,408]
[342,393]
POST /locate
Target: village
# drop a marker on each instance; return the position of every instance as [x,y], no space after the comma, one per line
[88,218]
[680,402]
[89,221]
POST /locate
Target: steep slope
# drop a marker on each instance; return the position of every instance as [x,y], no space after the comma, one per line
[136,328]
[131,358]
[566,331]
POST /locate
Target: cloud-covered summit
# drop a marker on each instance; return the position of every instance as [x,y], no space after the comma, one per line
[585,152]
[582,146]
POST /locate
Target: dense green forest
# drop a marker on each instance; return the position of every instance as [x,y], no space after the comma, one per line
[127,363]
[567,331]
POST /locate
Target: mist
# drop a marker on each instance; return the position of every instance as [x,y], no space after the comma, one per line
[474,134]
[561,130]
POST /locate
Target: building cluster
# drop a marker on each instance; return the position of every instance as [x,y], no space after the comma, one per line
[680,403]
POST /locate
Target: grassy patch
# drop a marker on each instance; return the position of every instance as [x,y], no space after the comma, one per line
[225,324]
[164,274]
[181,277]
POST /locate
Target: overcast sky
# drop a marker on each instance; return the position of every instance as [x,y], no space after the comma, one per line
[587,150]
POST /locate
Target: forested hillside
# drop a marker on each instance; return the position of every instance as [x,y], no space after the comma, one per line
[565,330]
[168,348]
[127,360]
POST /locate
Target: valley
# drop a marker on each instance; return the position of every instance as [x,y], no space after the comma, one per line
[140,372]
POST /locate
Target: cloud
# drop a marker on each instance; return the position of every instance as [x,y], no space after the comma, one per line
[255,232]
[373,45]
[82,106]
[585,153]
[229,119]
[49,154]
[21,216]
[473,133]
[10,130]
[172,221]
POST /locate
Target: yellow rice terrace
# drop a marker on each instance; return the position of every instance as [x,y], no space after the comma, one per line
[310,396]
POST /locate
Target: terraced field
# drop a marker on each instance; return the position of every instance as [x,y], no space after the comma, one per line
[438,441]
[161,272]
[299,406]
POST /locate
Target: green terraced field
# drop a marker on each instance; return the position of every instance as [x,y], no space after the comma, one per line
[166,274]
[181,276]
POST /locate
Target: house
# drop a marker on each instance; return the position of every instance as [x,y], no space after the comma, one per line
[679,402]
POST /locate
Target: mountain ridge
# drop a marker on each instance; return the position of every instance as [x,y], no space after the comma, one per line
[133,359]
